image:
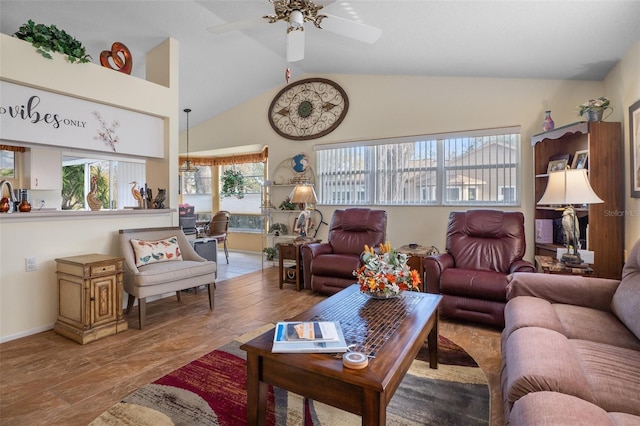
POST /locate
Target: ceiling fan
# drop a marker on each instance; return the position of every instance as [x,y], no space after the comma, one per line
[295,13]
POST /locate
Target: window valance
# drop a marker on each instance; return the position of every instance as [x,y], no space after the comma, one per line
[12,148]
[259,157]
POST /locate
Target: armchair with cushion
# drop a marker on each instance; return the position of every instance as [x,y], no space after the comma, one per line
[161,260]
[328,267]
[218,228]
[482,248]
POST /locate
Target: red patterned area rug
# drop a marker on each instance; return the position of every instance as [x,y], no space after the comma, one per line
[212,391]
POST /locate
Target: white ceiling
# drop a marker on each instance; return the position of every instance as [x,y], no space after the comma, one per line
[505,39]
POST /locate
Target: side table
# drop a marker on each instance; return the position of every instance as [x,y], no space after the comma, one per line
[291,251]
[89,297]
[415,258]
[551,265]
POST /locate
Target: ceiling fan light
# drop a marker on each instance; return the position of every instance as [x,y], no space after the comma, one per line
[296,19]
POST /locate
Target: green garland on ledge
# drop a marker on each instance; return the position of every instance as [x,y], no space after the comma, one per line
[50,39]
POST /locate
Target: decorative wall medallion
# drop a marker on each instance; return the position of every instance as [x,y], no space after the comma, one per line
[308,109]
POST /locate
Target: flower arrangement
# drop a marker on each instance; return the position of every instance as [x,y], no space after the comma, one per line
[385,274]
[599,104]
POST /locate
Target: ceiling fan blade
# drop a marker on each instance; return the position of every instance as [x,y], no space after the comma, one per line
[352,29]
[295,46]
[235,26]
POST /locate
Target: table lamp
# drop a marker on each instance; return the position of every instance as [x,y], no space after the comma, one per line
[568,187]
[303,194]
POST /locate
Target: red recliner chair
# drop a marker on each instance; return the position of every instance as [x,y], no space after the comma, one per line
[328,267]
[482,248]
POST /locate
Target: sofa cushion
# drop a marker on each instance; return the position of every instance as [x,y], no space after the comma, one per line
[626,300]
[148,252]
[528,311]
[596,326]
[574,322]
[166,272]
[613,374]
[538,359]
[553,408]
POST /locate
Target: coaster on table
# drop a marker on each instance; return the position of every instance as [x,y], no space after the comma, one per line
[355,360]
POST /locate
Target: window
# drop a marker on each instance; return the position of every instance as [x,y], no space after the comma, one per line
[7,164]
[198,182]
[470,168]
[114,180]
[246,215]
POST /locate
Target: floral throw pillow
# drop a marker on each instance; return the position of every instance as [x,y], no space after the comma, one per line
[148,252]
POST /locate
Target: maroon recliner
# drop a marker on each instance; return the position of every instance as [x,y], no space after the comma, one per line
[482,248]
[328,267]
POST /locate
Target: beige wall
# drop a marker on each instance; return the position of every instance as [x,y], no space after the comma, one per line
[380,106]
[28,300]
[623,86]
[384,106]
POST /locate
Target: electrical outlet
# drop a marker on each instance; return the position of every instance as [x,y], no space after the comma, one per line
[30,264]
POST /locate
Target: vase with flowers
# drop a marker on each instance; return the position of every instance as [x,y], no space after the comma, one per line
[594,109]
[384,273]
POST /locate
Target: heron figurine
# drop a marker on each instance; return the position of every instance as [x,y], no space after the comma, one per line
[136,193]
[571,228]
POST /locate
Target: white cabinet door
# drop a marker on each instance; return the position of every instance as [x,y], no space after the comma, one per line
[43,168]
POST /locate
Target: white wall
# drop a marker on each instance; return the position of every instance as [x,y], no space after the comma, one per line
[28,300]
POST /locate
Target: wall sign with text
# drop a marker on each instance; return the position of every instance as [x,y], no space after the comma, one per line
[36,116]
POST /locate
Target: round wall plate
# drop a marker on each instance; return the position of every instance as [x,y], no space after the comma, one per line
[308,109]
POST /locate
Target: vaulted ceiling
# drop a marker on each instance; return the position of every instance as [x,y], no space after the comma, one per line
[504,39]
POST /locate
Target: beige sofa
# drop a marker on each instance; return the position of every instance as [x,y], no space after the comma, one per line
[162,275]
[571,349]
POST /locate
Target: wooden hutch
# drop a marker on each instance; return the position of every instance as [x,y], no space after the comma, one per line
[605,236]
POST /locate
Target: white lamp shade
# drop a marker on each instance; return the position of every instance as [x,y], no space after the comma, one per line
[303,194]
[570,186]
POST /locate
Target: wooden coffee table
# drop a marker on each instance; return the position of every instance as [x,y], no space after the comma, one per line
[390,330]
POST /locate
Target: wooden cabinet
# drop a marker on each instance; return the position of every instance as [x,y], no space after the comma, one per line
[89,297]
[43,168]
[291,252]
[604,222]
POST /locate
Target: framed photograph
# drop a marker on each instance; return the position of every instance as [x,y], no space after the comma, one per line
[557,165]
[580,159]
[634,142]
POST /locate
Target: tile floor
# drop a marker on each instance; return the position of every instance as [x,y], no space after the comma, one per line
[239,263]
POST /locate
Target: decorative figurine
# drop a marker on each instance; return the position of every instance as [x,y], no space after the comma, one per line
[158,203]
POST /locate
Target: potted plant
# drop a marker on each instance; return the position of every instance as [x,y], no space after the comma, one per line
[287,205]
[49,38]
[232,184]
[270,252]
[594,108]
[278,229]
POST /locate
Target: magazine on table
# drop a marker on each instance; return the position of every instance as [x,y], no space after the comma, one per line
[309,336]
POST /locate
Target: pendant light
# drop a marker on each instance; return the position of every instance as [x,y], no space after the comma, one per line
[188,167]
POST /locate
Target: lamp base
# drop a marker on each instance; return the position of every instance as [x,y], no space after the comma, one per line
[571,259]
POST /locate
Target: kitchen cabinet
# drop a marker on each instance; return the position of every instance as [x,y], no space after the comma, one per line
[43,169]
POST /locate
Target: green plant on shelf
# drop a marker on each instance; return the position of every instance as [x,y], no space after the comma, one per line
[287,205]
[49,38]
[278,229]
